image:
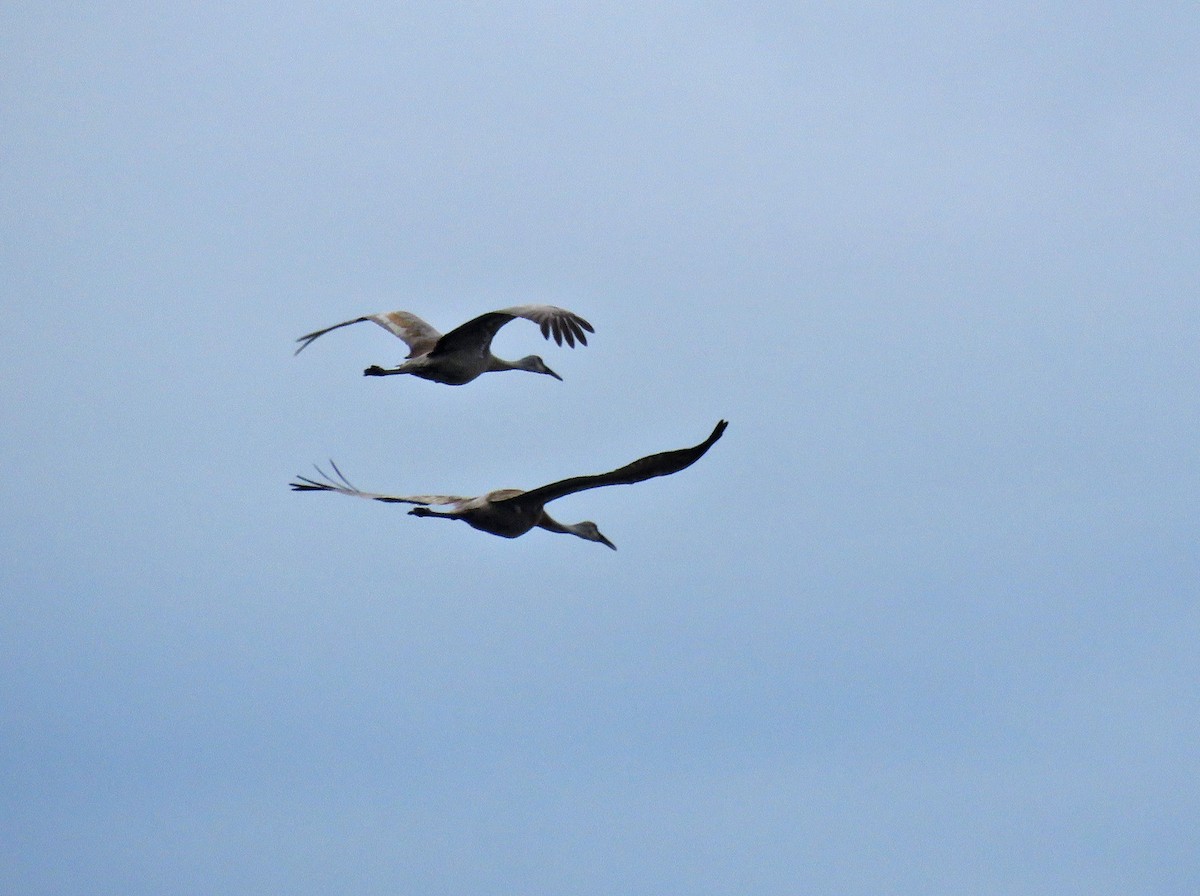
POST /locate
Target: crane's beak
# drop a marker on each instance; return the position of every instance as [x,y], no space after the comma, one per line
[553,374]
[604,540]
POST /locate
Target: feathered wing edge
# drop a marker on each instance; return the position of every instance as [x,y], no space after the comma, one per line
[307,339]
[556,323]
[343,486]
[662,464]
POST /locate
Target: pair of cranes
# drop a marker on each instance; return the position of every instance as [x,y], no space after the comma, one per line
[460,356]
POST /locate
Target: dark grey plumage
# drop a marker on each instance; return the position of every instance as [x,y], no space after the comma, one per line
[513,512]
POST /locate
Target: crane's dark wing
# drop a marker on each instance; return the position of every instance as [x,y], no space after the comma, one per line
[556,322]
[663,464]
[476,335]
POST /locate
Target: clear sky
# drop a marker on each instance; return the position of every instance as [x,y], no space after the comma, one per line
[924,621]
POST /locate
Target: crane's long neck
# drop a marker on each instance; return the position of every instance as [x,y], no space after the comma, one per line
[497,364]
[586,530]
[550,524]
[530,363]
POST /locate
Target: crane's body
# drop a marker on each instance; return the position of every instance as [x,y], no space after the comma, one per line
[465,353]
[511,513]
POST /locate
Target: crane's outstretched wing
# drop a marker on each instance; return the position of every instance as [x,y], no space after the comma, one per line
[662,464]
[476,334]
[419,336]
[342,486]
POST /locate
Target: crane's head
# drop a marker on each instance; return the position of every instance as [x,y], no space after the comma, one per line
[587,529]
[534,364]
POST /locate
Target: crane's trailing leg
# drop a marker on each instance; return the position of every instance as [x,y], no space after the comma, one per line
[425,511]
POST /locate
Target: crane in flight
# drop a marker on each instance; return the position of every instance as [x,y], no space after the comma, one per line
[511,512]
[465,352]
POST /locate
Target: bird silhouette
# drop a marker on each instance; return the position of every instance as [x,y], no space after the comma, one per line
[512,512]
[465,352]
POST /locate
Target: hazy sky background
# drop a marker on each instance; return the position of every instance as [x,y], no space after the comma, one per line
[924,621]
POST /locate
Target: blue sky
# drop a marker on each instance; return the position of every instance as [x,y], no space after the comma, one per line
[923,621]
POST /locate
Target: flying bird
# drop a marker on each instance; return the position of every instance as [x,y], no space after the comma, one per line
[511,512]
[466,351]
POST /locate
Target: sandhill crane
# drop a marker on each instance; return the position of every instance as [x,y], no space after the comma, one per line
[511,512]
[466,351]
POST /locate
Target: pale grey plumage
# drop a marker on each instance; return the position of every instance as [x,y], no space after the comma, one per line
[465,352]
